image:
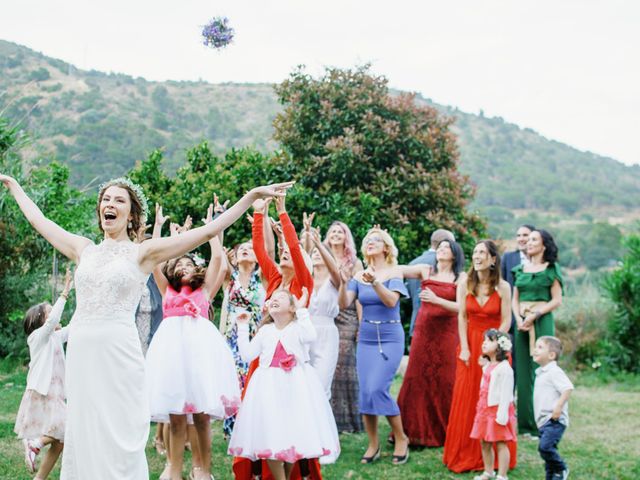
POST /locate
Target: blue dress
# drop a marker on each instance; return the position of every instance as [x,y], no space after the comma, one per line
[380,347]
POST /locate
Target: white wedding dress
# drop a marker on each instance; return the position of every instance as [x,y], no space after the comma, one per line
[107,405]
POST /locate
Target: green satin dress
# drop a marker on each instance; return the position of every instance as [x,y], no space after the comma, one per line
[532,287]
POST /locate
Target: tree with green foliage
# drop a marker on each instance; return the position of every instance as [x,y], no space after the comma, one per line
[622,346]
[365,156]
[27,259]
[202,175]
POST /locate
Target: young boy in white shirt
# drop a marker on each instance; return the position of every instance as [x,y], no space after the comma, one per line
[551,393]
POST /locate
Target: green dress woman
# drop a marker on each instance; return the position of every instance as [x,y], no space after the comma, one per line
[537,292]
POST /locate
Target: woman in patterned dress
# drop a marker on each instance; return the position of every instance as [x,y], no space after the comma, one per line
[245,297]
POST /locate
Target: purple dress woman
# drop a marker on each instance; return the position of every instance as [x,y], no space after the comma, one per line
[380,347]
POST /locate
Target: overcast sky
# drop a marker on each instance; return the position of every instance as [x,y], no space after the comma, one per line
[569,69]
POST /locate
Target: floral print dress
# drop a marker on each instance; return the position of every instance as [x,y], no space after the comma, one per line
[252,300]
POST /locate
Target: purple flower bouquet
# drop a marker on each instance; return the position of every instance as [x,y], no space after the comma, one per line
[217,33]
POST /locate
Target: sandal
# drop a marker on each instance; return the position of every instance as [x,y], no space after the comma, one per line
[400,459]
[371,459]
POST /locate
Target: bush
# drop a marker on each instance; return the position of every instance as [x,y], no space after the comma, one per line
[623,288]
[581,322]
[40,75]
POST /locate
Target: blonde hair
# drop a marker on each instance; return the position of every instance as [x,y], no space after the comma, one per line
[391,255]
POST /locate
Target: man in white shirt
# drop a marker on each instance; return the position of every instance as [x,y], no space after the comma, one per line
[550,404]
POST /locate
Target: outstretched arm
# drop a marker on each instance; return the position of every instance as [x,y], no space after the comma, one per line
[69,244]
[329,261]
[158,250]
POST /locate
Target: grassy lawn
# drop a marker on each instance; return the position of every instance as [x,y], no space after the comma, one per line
[603,441]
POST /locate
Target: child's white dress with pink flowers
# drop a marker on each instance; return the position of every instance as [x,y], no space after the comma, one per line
[190,367]
[285,414]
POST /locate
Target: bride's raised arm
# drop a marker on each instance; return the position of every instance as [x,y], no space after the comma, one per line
[69,244]
[158,250]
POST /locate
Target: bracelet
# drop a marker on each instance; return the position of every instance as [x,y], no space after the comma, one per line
[537,314]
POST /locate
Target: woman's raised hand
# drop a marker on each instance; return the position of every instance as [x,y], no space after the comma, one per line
[274,190]
[280,205]
[346,272]
[217,206]
[68,281]
[301,302]
[209,217]
[6,180]
[160,218]
[307,220]
[369,275]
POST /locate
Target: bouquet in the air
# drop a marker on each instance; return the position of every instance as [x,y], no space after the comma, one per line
[217,33]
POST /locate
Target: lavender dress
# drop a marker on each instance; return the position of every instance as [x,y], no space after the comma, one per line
[380,348]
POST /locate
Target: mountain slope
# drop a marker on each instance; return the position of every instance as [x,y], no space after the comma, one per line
[100,124]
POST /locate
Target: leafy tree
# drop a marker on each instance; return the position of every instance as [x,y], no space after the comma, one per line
[26,257]
[195,182]
[623,287]
[348,142]
[40,75]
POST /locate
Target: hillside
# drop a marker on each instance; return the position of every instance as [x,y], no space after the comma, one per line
[100,124]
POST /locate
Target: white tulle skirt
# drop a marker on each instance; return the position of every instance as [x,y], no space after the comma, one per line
[190,369]
[285,416]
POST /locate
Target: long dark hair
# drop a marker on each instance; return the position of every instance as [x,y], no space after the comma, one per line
[550,248]
[175,281]
[494,273]
[35,317]
[457,265]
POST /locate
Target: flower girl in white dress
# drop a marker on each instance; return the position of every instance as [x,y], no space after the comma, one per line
[284,392]
[190,368]
[42,413]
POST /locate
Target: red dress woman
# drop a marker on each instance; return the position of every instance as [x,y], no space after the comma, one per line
[484,302]
[427,388]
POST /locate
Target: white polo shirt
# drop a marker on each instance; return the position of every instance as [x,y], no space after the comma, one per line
[551,382]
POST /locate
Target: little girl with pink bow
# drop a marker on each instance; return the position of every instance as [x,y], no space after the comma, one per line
[284,393]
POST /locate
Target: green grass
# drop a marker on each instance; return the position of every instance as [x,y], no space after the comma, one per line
[602,441]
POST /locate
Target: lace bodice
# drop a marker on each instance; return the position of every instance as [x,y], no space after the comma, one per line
[108,282]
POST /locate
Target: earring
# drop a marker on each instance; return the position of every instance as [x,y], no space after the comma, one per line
[130,225]
[493,266]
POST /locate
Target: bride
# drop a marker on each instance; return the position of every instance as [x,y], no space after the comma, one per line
[107,406]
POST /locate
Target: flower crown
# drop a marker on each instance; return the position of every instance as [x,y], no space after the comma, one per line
[505,343]
[137,189]
[198,260]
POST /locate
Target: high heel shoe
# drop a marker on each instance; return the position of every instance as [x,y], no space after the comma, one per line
[371,459]
[400,459]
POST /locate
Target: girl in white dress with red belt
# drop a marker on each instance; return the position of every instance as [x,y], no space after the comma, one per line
[284,392]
